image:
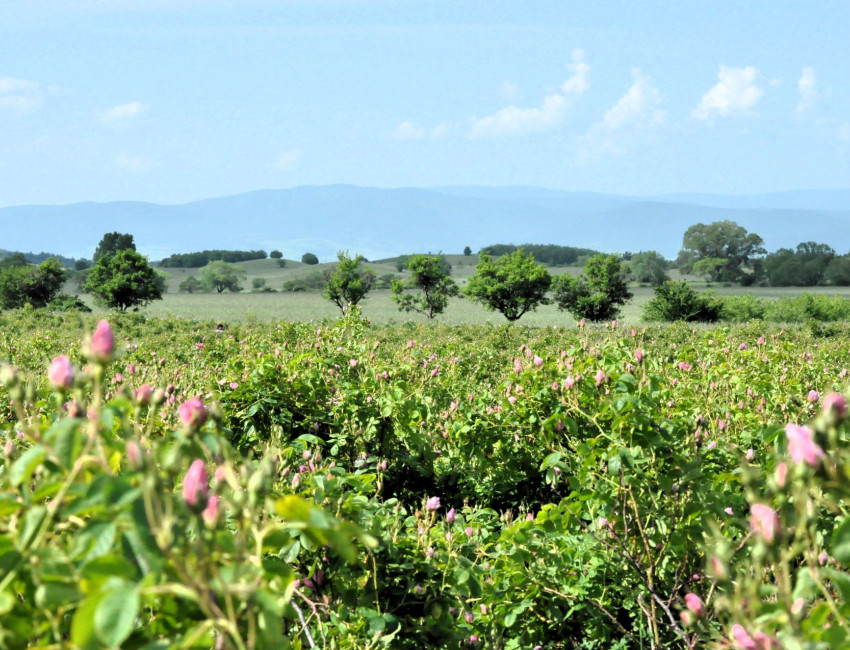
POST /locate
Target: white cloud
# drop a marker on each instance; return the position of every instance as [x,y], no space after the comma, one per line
[123,115]
[289,160]
[807,85]
[135,164]
[735,92]
[410,131]
[634,115]
[20,95]
[513,120]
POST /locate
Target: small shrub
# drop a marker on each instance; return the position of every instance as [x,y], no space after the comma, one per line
[676,301]
[65,302]
[740,309]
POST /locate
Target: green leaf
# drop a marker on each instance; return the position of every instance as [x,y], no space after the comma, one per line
[82,625]
[65,438]
[53,594]
[7,602]
[32,522]
[841,542]
[115,615]
[23,468]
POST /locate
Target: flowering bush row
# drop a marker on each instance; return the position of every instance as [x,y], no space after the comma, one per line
[347,486]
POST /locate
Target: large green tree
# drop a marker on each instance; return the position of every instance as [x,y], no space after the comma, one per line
[648,267]
[349,282]
[220,275]
[804,267]
[429,278]
[31,285]
[597,294]
[124,280]
[113,242]
[721,240]
[512,284]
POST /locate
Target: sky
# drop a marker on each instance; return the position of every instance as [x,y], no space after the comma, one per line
[172,101]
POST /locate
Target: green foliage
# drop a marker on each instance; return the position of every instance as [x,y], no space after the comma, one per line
[720,240]
[112,243]
[591,488]
[796,309]
[258,283]
[434,286]
[190,285]
[549,254]
[676,301]
[312,281]
[276,255]
[124,280]
[648,267]
[82,264]
[743,308]
[838,271]
[13,260]
[513,284]
[219,275]
[597,294]
[35,286]
[309,258]
[467,251]
[805,267]
[348,283]
[202,258]
[64,302]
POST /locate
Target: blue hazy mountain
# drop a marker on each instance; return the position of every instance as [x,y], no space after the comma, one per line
[386,222]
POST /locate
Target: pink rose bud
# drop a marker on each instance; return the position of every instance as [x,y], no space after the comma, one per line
[835,403]
[450,516]
[764,522]
[814,396]
[60,373]
[192,412]
[134,453]
[801,447]
[600,377]
[538,361]
[102,342]
[210,513]
[432,504]
[469,531]
[781,474]
[694,604]
[467,617]
[144,394]
[639,355]
[195,485]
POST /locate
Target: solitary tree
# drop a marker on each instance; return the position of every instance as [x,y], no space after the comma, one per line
[190,285]
[309,258]
[598,293]
[349,282]
[429,277]
[31,285]
[276,255]
[220,275]
[721,240]
[112,242]
[124,280]
[467,250]
[513,284]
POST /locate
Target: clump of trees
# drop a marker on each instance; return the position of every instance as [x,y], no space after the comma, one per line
[597,294]
[309,258]
[202,258]
[550,254]
[23,284]
[512,284]
[647,267]
[433,286]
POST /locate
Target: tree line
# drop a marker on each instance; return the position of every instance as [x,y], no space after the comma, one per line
[202,258]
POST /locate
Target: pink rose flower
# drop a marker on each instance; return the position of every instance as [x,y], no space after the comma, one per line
[764,521]
[193,412]
[694,604]
[801,447]
[60,373]
[195,484]
[102,342]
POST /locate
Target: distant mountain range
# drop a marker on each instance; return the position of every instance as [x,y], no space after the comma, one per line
[380,223]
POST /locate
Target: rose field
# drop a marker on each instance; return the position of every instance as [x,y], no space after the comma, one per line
[346,485]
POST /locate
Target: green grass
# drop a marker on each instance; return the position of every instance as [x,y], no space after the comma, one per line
[248,306]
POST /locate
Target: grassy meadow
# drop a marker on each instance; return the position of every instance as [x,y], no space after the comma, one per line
[249,306]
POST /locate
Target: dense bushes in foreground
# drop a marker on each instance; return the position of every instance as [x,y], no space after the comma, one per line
[349,486]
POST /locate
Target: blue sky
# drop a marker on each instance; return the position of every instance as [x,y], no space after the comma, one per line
[175,100]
